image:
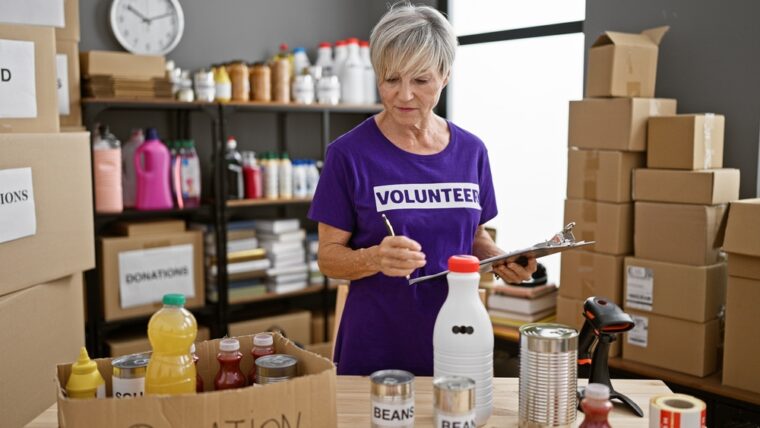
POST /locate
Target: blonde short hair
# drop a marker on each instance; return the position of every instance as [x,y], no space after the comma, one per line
[412,39]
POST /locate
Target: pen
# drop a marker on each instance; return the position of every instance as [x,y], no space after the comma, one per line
[390,230]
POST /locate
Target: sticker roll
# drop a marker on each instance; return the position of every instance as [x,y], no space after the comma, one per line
[677,411]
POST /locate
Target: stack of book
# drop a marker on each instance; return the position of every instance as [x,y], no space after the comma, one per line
[122,87]
[283,241]
[511,306]
[312,249]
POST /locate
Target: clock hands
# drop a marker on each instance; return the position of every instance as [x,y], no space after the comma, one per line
[160,16]
[139,15]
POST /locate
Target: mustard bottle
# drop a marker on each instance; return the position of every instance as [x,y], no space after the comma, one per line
[223,84]
[85,380]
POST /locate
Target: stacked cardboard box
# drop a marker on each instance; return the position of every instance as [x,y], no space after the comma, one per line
[607,139]
[67,67]
[675,286]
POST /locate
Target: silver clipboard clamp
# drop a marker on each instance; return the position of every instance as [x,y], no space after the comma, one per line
[562,241]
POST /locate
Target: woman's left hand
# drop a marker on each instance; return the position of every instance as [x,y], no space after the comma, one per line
[513,273]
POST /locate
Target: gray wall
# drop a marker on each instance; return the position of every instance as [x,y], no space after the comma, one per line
[709,61]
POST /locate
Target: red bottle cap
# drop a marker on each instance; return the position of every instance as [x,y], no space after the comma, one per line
[353,40]
[283,47]
[325,45]
[340,43]
[464,264]
[363,43]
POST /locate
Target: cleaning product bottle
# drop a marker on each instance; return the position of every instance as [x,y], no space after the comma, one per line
[352,75]
[300,61]
[106,160]
[299,178]
[152,169]
[223,84]
[263,344]
[171,332]
[234,171]
[198,378]
[128,175]
[285,172]
[175,163]
[251,176]
[596,406]
[229,375]
[341,53]
[312,177]
[324,55]
[85,380]
[190,175]
[271,191]
[463,334]
[370,83]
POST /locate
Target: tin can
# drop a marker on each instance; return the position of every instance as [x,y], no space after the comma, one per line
[392,398]
[128,379]
[276,368]
[454,402]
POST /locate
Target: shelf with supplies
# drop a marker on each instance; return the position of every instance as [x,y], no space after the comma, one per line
[238,203]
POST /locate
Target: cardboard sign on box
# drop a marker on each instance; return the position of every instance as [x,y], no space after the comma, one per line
[679,233]
[609,224]
[686,141]
[623,64]
[703,187]
[138,344]
[601,175]
[308,400]
[742,338]
[296,326]
[673,344]
[614,123]
[69,91]
[742,240]
[691,293]
[28,84]
[585,274]
[39,326]
[62,191]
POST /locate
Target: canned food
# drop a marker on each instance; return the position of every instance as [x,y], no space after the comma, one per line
[454,402]
[276,368]
[392,396]
[128,379]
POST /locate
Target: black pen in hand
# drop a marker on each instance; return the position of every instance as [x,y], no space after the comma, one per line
[390,230]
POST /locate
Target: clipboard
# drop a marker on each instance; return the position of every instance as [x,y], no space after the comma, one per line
[562,241]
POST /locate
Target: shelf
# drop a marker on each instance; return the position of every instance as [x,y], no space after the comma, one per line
[146,104]
[139,214]
[238,203]
[200,312]
[312,289]
[506,333]
[313,108]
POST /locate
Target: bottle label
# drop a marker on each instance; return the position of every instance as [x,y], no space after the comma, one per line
[392,415]
[223,91]
[190,174]
[455,421]
[101,391]
[128,388]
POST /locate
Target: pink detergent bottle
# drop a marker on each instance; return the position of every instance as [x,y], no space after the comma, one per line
[152,171]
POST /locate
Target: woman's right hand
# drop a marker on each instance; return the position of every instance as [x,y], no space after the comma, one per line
[399,256]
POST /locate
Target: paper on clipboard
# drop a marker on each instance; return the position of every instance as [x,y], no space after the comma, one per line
[562,241]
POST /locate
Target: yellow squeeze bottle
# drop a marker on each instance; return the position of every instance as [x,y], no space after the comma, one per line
[85,380]
[171,332]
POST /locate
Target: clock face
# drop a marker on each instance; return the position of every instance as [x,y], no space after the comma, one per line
[152,27]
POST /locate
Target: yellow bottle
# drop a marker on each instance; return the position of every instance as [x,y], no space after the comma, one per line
[223,84]
[85,380]
[171,332]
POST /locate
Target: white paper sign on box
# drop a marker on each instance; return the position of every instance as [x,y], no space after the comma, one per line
[18,90]
[49,13]
[62,72]
[146,275]
[17,215]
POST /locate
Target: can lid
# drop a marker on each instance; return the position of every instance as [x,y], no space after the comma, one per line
[263,339]
[464,264]
[391,383]
[132,361]
[597,391]
[174,299]
[229,345]
[277,365]
[548,338]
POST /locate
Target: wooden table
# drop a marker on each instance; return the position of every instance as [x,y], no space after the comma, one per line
[353,403]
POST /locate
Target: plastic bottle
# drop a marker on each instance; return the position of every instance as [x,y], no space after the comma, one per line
[341,53]
[324,55]
[85,380]
[223,84]
[229,375]
[312,178]
[272,186]
[251,176]
[352,75]
[263,344]
[128,175]
[190,175]
[463,334]
[328,87]
[303,88]
[106,160]
[370,82]
[198,378]
[263,164]
[234,171]
[171,331]
[175,180]
[299,178]
[596,406]
[151,162]
[300,61]
[285,172]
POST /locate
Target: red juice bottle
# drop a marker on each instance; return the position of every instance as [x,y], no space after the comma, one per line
[198,378]
[229,375]
[596,406]
[252,176]
[263,344]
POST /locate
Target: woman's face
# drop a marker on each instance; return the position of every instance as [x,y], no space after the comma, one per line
[409,99]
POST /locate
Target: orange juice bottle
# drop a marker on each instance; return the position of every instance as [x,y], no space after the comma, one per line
[171,332]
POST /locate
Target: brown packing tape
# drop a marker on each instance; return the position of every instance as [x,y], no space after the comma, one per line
[589,213]
[586,273]
[633,89]
[591,174]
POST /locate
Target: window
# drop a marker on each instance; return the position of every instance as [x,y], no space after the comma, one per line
[518,66]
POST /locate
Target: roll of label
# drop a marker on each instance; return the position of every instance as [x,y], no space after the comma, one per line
[677,411]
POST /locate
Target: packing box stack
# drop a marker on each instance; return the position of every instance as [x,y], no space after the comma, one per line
[67,68]
[124,75]
[607,139]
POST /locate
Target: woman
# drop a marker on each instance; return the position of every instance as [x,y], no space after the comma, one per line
[429,177]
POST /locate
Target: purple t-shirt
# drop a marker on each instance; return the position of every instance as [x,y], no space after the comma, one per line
[437,200]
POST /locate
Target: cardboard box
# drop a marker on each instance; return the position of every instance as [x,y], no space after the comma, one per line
[48,13]
[40,327]
[678,233]
[601,175]
[686,141]
[614,123]
[48,235]
[69,90]
[296,326]
[122,64]
[324,349]
[623,64]
[176,265]
[28,101]
[742,338]
[70,32]
[691,293]
[137,344]
[609,224]
[318,327]
[673,344]
[585,274]
[742,240]
[570,313]
[152,227]
[308,400]
[703,187]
